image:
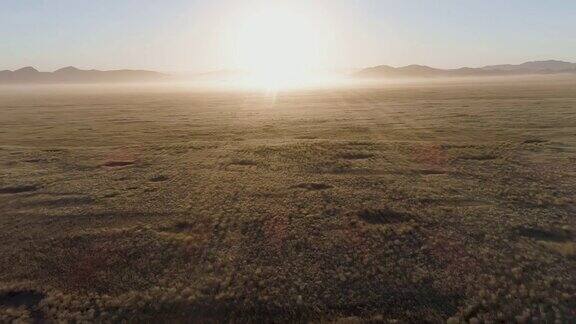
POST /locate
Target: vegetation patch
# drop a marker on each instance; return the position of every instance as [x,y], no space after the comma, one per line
[534,141]
[105,263]
[17,298]
[306,137]
[180,226]
[35,160]
[543,234]
[115,164]
[312,186]
[159,178]
[356,155]
[334,167]
[430,172]
[479,157]
[361,143]
[243,162]
[18,189]
[61,202]
[382,216]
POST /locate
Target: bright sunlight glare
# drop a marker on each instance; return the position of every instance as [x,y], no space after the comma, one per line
[279,46]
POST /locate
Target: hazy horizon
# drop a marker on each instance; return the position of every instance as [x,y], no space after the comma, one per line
[343,69]
[195,36]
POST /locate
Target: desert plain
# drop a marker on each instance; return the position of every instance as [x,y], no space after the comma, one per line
[447,201]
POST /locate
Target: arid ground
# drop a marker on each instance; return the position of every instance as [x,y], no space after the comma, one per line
[418,202]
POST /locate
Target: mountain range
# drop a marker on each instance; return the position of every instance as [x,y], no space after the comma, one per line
[421,71]
[73,75]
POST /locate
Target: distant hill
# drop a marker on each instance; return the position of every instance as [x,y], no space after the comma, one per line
[73,75]
[405,71]
[420,71]
[536,66]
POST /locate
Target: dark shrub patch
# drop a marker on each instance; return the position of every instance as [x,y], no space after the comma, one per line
[356,155]
[17,298]
[17,189]
[382,216]
[114,164]
[159,178]
[312,186]
[542,234]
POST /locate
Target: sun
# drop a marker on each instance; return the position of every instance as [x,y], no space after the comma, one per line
[279,45]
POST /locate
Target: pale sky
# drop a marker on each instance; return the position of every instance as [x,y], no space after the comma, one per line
[204,35]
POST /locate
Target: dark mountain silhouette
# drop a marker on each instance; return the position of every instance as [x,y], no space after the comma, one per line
[27,70]
[24,74]
[405,71]
[420,71]
[68,69]
[539,66]
[74,75]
